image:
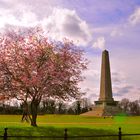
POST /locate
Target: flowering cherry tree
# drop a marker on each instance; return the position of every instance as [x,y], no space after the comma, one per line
[32,68]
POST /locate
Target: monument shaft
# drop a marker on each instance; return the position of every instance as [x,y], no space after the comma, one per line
[105,83]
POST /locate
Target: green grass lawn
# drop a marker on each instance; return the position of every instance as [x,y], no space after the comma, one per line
[54,125]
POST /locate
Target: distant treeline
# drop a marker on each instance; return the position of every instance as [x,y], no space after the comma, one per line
[50,106]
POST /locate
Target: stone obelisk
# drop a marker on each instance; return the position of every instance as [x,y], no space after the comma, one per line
[105,106]
[105,83]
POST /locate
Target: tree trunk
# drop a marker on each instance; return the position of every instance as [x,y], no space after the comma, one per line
[34,106]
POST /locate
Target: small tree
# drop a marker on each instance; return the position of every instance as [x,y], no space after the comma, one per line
[85,105]
[61,107]
[134,107]
[49,106]
[31,68]
[78,107]
[124,104]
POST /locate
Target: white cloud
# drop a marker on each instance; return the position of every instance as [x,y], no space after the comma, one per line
[116,32]
[127,91]
[26,20]
[64,23]
[59,22]
[18,15]
[91,84]
[99,43]
[135,17]
[120,85]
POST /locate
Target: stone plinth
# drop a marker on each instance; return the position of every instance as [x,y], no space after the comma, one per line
[100,111]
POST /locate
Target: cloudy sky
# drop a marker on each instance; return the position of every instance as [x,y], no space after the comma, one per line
[94,25]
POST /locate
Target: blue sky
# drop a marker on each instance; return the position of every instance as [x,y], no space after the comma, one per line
[94,25]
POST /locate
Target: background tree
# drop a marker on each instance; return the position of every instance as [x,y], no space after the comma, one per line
[61,107]
[85,105]
[124,105]
[134,107]
[78,107]
[130,107]
[31,68]
[49,106]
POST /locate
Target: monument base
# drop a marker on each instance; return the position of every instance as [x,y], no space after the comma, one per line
[104,109]
[106,103]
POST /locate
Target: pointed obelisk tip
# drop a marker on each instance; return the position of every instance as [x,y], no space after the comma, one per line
[105,51]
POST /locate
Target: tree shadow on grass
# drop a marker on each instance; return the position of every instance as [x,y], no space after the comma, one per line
[54,131]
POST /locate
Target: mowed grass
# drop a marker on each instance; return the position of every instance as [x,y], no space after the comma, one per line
[54,125]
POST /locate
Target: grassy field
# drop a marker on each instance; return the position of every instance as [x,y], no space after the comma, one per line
[54,125]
